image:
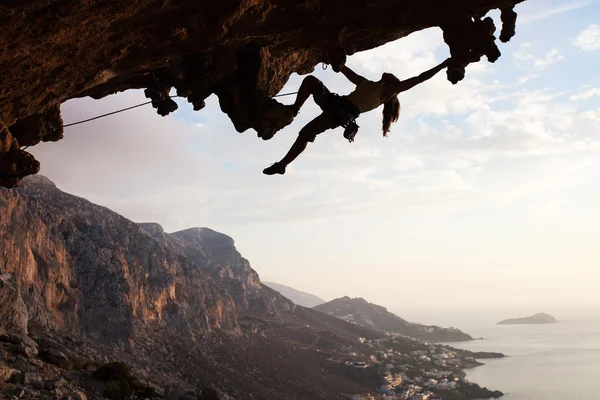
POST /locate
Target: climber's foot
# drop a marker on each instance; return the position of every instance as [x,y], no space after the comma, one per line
[276,168]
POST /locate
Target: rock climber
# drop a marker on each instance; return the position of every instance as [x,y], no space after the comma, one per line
[343,110]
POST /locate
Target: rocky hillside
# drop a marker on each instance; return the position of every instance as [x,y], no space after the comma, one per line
[184,310]
[301,298]
[84,269]
[244,52]
[370,315]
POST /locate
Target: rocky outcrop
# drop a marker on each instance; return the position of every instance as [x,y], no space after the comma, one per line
[85,270]
[217,251]
[244,52]
[361,312]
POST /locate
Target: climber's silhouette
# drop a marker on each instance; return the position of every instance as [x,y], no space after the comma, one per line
[343,110]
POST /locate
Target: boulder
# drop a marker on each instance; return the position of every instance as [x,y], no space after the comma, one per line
[78,395]
[7,373]
[32,378]
[26,345]
[209,393]
[54,383]
[55,357]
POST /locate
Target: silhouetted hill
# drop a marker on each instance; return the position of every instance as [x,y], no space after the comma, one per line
[298,297]
[539,318]
[361,312]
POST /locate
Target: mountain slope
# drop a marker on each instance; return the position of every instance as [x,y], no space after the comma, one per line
[301,298]
[361,312]
[183,309]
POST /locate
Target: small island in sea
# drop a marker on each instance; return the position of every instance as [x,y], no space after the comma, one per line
[539,318]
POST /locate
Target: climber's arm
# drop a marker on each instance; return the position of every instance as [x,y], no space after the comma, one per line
[351,75]
[412,82]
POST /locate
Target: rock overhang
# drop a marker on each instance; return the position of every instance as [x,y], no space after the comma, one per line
[242,51]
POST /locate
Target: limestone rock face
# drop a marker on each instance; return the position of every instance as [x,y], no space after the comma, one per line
[13,312]
[243,51]
[203,244]
[85,270]
[216,254]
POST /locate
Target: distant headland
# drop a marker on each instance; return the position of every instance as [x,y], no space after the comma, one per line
[539,318]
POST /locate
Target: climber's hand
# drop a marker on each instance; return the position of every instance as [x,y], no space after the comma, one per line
[337,58]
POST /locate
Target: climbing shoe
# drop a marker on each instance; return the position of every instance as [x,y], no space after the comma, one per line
[276,168]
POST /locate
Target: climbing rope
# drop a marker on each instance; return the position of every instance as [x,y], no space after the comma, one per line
[126,109]
[286,94]
[110,113]
[139,105]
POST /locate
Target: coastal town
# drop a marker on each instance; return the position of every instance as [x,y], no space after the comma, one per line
[416,370]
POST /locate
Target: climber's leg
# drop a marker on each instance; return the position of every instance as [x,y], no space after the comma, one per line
[307,134]
[310,85]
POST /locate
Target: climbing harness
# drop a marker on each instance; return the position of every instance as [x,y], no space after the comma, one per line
[344,115]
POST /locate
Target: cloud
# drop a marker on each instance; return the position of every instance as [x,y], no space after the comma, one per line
[589,38]
[527,60]
[547,11]
[586,94]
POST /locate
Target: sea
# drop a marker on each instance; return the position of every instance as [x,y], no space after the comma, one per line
[558,361]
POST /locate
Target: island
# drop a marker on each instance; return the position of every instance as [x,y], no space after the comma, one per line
[539,318]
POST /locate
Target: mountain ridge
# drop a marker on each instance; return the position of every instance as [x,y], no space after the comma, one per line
[297,296]
[360,311]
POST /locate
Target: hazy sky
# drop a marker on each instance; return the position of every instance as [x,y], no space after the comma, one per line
[485,193]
